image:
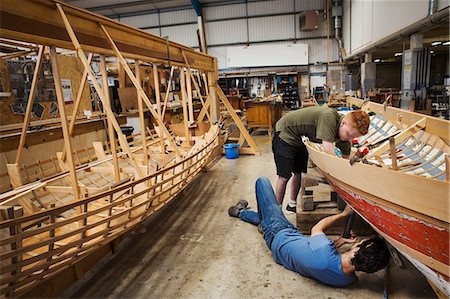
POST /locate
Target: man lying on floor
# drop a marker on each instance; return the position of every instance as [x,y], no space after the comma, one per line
[315,256]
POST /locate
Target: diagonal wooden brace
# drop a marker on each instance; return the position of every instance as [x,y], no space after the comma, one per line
[141,92]
[122,140]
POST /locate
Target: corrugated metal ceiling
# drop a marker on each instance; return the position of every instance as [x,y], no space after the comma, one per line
[113,8]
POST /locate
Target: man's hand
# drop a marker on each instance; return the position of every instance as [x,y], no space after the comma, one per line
[328,147]
[341,240]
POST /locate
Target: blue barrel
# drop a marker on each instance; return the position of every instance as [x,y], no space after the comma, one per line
[231,150]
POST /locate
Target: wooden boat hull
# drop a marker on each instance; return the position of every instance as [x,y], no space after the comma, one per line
[406,202]
[427,250]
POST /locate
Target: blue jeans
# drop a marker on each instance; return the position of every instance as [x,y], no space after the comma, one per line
[269,215]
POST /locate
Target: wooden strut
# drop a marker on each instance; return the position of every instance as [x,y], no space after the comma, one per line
[394,165]
[26,121]
[141,116]
[188,68]
[184,104]
[166,97]
[122,140]
[112,138]
[142,93]
[236,119]
[77,103]
[62,112]
[158,102]
[189,98]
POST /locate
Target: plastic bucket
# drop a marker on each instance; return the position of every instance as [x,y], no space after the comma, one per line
[231,150]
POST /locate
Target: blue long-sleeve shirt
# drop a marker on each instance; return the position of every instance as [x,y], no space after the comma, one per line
[314,257]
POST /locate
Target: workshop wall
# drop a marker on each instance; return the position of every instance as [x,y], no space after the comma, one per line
[16,77]
[274,22]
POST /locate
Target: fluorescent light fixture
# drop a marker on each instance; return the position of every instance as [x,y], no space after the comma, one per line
[431,52]
[436,43]
[446,43]
[377,60]
[398,54]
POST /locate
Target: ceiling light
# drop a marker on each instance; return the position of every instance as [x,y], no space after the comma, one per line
[377,60]
[431,52]
[398,54]
[446,43]
[436,43]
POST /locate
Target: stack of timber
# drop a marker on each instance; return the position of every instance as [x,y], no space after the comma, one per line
[54,226]
[401,188]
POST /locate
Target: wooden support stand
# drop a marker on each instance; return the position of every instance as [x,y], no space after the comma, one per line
[310,211]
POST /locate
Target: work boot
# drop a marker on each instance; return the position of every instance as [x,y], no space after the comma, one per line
[291,209]
[242,204]
[236,209]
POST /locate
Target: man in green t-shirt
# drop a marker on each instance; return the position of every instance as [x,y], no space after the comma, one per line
[319,124]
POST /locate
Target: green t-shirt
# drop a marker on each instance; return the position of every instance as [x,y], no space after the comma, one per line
[317,123]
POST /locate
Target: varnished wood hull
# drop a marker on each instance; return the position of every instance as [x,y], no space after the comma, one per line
[424,244]
[37,247]
[407,200]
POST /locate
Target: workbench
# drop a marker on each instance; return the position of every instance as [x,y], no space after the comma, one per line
[263,114]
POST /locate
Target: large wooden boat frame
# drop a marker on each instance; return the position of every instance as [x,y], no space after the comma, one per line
[54,229]
[401,188]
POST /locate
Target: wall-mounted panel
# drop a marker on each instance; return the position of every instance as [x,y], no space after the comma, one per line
[223,12]
[270,7]
[392,16]
[142,21]
[271,28]
[357,31]
[224,32]
[346,30]
[320,32]
[178,16]
[185,34]
[302,5]
[267,55]
[372,20]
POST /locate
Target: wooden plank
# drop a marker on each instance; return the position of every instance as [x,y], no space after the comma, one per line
[447,168]
[168,90]
[157,89]
[141,116]
[26,121]
[62,112]
[14,175]
[189,99]
[393,152]
[158,101]
[112,137]
[38,22]
[236,119]
[187,134]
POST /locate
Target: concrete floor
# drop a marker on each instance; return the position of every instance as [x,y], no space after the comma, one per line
[193,249]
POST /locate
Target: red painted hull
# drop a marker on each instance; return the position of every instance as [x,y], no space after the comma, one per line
[432,241]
